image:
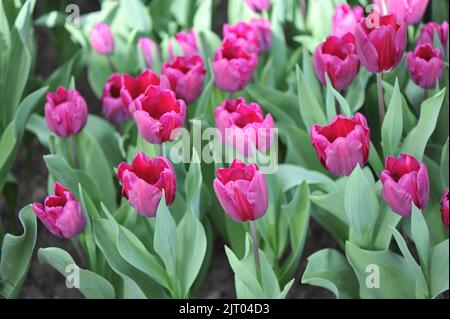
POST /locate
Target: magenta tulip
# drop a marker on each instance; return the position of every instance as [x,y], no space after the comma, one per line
[185,76]
[406,11]
[425,65]
[342,144]
[112,105]
[258,5]
[157,114]
[337,57]
[243,34]
[345,19]
[102,40]
[263,32]
[188,43]
[444,209]
[405,181]
[148,49]
[428,31]
[242,191]
[241,124]
[66,112]
[144,180]
[380,42]
[61,213]
[233,66]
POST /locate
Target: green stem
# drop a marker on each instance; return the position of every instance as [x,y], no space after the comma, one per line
[111,65]
[2,232]
[75,157]
[426,94]
[380,97]
[255,249]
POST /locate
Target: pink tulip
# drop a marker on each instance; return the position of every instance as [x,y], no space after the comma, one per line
[242,191]
[428,31]
[185,76]
[342,144]
[406,11]
[444,209]
[188,43]
[233,66]
[61,213]
[148,48]
[66,112]
[157,114]
[144,180]
[258,5]
[337,57]
[425,65]
[102,40]
[380,42]
[345,19]
[263,32]
[241,124]
[112,105]
[243,34]
[405,181]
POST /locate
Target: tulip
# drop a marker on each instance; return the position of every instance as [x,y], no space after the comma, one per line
[263,32]
[241,124]
[428,31]
[406,11]
[258,5]
[188,43]
[444,209]
[185,76]
[233,66]
[112,105]
[337,57]
[342,144]
[405,181]
[148,49]
[144,180]
[380,42]
[102,40]
[345,19]
[157,114]
[425,65]
[61,213]
[65,112]
[243,34]
[242,191]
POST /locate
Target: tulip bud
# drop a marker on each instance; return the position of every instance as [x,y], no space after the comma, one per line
[65,112]
[61,213]
[242,191]
[380,42]
[112,105]
[337,57]
[345,19]
[406,11]
[425,65]
[148,48]
[157,113]
[144,180]
[188,43]
[444,209]
[258,5]
[185,76]
[242,34]
[342,144]
[428,30]
[405,181]
[233,66]
[241,124]
[263,32]
[102,40]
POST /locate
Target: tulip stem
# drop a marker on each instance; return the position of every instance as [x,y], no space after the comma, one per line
[76,160]
[255,249]
[380,97]
[161,149]
[111,65]
[425,94]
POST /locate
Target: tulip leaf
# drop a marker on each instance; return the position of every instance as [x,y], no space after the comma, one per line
[291,176]
[278,49]
[16,255]
[328,269]
[392,128]
[421,237]
[356,93]
[342,102]
[99,71]
[310,75]
[444,165]
[439,269]
[203,15]
[192,185]
[136,15]
[90,284]
[238,11]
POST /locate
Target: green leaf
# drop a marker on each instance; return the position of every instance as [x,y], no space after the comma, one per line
[192,185]
[91,285]
[328,269]
[356,93]
[421,237]
[278,50]
[343,104]
[63,75]
[391,131]
[291,176]
[203,15]
[99,71]
[136,15]
[444,165]
[439,269]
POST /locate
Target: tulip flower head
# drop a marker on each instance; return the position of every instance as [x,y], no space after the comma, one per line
[263,32]
[102,40]
[188,43]
[444,209]
[425,65]
[405,181]
[406,11]
[61,213]
[258,5]
[185,76]
[144,180]
[342,144]
[242,191]
[345,19]
[337,57]
[148,49]
[112,105]
[65,112]
[428,31]
[243,34]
